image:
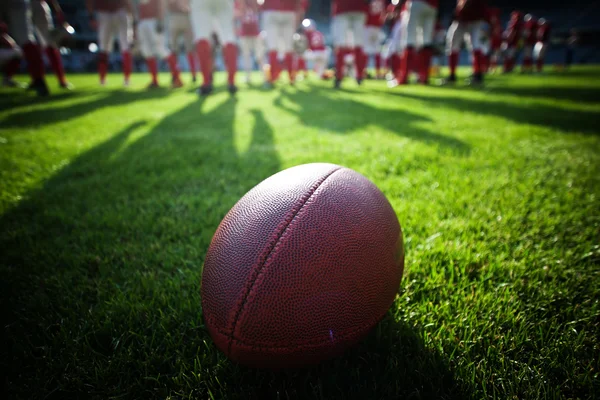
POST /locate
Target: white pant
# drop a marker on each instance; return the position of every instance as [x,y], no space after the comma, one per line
[111,25]
[152,43]
[280,27]
[320,59]
[372,40]
[349,29]
[41,17]
[249,45]
[210,16]
[460,31]
[420,23]
[539,51]
[395,43]
[180,26]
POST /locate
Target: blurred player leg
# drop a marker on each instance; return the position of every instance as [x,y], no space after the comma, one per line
[288,27]
[10,58]
[454,42]
[105,40]
[125,35]
[371,47]
[426,51]
[225,20]
[302,65]
[527,58]
[202,26]
[179,26]
[342,26]
[162,51]
[475,31]
[145,32]
[358,21]
[21,29]
[409,39]
[539,52]
[270,20]
[43,24]
[246,47]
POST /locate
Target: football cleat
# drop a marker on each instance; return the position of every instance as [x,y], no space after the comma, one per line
[39,85]
[176,83]
[153,85]
[232,89]
[66,85]
[337,84]
[205,90]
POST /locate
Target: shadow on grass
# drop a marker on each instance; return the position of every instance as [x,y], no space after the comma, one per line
[321,108]
[391,363]
[62,113]
[565,119]
[575,94]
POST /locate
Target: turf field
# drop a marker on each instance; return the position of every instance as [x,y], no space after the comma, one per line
[109,198]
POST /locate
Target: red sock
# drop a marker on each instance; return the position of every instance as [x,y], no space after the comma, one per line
[425,64]
[206,62]
[275,67]
[527,62]
[361,62]
[152,68]
[192,61]
[506,64]
[289,65]
[377,64]
[56,63]
[540,64]
[477,61]
[395,63]
[453,62]
[405,63]
[485,63]
[127,64]
[35,65]
[230,57]
[301,64]
[172,61]
[102,65]
[339,63]
[12,67]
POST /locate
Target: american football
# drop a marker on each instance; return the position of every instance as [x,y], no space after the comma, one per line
[300,199]
[303,266]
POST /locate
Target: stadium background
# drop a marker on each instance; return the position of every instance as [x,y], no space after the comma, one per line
[582,15]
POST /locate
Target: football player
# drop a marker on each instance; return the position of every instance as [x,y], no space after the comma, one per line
[317,52]
[349,18]
[543,38]
[217,16]
[110,18]
[301,61]
[512,36]
[469,19]
[529,40]
[41,15]
[280,19]
[418,34]
[495,37]
[249,31]
[396,15]
[375,21]
[181,26]
[16,14]
[152,41]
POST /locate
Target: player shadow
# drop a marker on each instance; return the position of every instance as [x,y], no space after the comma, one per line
[15,98]
[565,119]
[391,363]
[574,94]
[320,107]
[129,219]
[60,113]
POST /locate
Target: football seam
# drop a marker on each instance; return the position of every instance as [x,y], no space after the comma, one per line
[257,270]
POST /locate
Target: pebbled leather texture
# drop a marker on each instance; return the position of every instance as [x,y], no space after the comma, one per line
[302,267]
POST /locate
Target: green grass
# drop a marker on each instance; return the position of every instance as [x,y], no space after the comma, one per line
[109,198]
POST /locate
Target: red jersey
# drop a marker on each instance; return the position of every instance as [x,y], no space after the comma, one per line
[280,5]
[471,10]
[148,9]
[305,4]
[529,31]
[376,14]
[249,23]
[344,6]
[543,32]
[179,6]
[316,40]
[109,5]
